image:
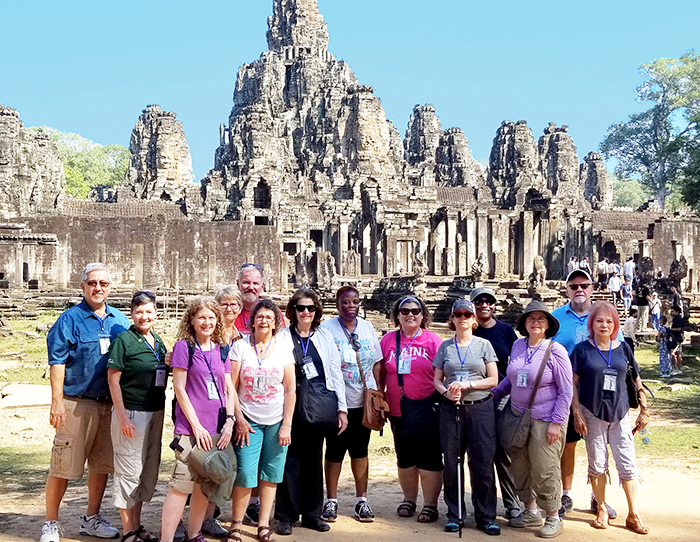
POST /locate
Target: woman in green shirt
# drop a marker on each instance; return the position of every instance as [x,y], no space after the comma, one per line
[137,377]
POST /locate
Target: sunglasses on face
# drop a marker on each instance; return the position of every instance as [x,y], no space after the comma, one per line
[577,286]
[462,314]
[307,308]
[94,283]
[483,301]
[414,312]
[252,265]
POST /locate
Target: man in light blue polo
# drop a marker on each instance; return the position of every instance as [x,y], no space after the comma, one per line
[573,329]
[78,345]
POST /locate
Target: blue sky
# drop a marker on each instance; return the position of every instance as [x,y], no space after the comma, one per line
[91,67]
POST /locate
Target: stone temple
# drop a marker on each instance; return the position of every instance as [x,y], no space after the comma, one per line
[312,180]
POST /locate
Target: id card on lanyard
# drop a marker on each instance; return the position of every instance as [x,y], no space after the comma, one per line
[609,374]
[104,337]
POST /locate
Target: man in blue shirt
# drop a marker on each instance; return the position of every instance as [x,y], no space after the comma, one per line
[78,345]
[573,329]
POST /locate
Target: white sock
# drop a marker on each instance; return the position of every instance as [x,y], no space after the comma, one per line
[253,500]
[360,499]
[565,492]
[332,500]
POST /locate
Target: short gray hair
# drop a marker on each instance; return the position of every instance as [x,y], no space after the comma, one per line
[229,292]
[94,266]
[247,266]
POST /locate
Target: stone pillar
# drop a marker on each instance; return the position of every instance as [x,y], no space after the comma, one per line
[101,253]
[175,269]
[19,266]
[471,242]
[211,259]
[62,264]
[451,242]
[645,249]
[483,241]
[528,248]
[138,266]
[343,247]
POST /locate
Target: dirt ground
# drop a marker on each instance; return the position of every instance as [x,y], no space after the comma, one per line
[667,499]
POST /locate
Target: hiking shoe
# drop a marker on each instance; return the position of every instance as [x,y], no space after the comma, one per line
[527,518]
[212,527]
[252,513]
[180,533]
[567,504]
[612,514]
[330,511]
[553,526]
[98,526]
[363,512]
[50,532]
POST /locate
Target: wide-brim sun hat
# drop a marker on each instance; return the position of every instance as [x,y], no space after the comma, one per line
[538,306]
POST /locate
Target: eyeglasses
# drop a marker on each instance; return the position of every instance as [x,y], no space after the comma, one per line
[269,317]
[583,286]
[307,308]
[462,314]
[355,342]
[483,301]
[414,312]
[102,284]
[536,318]
[233,305]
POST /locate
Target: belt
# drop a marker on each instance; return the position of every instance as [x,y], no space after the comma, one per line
[467,402]
[97,399]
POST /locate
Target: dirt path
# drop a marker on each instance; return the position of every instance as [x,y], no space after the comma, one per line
[667,500]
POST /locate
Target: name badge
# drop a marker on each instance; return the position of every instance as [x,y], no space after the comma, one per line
[309,368]
[349,356]
[522,378]
[405,365]
[211,389]
[259,385]
[609,380]
[462,376]
[161,375]
[105,341]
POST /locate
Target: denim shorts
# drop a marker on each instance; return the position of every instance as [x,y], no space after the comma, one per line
[263,457]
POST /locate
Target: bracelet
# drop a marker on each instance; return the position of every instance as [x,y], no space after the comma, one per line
[443,393]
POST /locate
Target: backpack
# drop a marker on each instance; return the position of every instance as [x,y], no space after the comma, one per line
[223,350]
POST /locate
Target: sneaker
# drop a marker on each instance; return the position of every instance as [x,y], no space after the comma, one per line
[567,504]
[98,526]
[50,532]
[363,512]
[252,513]
[676,372]
[513,513]
[180,533]
[553,526]
[665,375]
[451,527]
[612,514]
[212,527]
[527,518]
[330,511]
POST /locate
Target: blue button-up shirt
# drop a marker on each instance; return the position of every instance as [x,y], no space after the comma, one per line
[74,341]
[573,329]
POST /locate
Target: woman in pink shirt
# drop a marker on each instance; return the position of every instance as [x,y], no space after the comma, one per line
[413,401]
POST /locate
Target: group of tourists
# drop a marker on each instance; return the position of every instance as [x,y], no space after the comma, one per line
[257,395]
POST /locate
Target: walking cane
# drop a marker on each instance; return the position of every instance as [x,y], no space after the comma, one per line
[460,466]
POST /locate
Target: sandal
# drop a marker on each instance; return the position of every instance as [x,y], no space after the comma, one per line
[234,533]
[131,536]
[634,522]
[265,534]
[146,535]
[428,514]
[602,520]
[406,509]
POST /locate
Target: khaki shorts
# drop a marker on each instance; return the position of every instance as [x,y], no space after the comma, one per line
[86,436]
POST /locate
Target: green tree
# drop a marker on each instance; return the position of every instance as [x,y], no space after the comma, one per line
[629,193]
[655,145]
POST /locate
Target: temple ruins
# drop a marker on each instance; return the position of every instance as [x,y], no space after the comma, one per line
[312,181]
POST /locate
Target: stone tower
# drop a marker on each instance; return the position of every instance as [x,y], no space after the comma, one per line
[160,166]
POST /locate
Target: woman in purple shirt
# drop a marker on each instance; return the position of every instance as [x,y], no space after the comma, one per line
[536,466]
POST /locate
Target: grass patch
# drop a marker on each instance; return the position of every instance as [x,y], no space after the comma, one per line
[25,374]
[24,471]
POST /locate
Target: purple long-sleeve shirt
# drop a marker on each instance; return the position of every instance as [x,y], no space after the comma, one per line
[553,397]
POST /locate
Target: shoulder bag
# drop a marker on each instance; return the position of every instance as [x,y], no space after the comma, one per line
[514,428]
[376,409]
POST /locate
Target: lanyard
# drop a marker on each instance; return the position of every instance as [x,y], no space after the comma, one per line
[202,351]
[155,351]
[304,347]
[461,361]
[101,321]
[347,333]
[601,354]
[260,360]
[528,354]
[408,346]
[245,320]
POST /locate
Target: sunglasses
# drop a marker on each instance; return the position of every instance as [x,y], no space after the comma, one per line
[462,314]
[253,265]
[414,312]
[307,308]
[355,342]
[584,286]
[483,301]
[94,283]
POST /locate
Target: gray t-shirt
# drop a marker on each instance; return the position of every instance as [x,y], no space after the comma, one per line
[471,366]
